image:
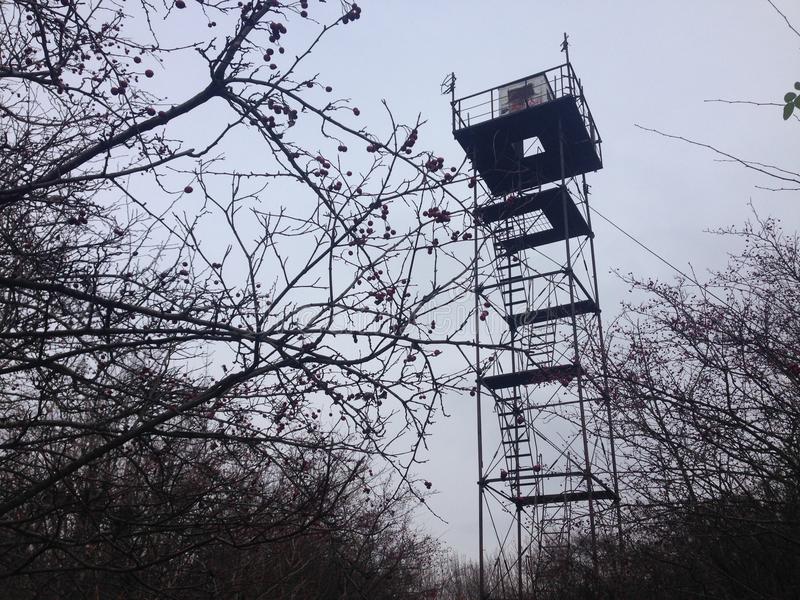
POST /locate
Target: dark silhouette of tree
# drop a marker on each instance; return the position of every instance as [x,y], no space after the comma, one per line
[199,352]
[705,389]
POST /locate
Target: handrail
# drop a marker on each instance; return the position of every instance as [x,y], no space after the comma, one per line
[561,81]
[497,87]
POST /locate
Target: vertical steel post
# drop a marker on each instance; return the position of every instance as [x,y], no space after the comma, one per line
[576,350]
[604,366]
[518,411]
[477,294]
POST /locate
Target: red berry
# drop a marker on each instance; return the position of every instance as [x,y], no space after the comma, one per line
[188,189]
[180,4]
[328,88]
[149,73]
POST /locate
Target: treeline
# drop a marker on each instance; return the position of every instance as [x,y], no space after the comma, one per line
[215,304]
[191,519]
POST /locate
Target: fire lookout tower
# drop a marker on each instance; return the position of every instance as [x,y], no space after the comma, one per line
[548,488]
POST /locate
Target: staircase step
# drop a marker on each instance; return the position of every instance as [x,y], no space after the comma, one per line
[521,469]
[542,344]
[551,313]
[510,280]
[552,203]
[533,277]
[510,427]
[531,377]
[542,499]
[502,211]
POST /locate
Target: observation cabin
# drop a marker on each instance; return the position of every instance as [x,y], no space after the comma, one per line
[511,132]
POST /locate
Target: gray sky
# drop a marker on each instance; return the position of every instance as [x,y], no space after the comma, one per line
[647,63]
[641,62]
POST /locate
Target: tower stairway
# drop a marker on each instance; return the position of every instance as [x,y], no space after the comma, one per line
[510,402]
[528,221]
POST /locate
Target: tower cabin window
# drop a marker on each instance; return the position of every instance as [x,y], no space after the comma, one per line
[525,94]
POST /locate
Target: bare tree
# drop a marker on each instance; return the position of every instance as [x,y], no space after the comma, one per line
[181,323]
[705,384]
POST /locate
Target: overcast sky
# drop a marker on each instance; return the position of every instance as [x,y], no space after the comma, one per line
[641,62]
[647,63]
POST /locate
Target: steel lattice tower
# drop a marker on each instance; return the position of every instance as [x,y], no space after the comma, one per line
[548,489]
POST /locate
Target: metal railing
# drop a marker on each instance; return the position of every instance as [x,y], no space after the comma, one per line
[523,93]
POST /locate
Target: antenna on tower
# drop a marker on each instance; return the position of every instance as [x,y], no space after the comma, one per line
[565,45]
[449,85]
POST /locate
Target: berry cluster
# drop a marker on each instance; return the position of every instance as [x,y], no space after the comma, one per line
[410,141]
[437,214]
[276,30]
[434,164]
[354,14]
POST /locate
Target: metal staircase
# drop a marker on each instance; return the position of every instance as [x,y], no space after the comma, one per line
[541,309]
